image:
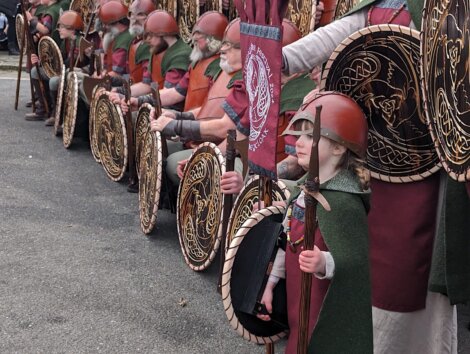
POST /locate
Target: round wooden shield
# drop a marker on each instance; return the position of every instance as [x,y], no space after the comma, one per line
[70,109]
[50,57]
[111,138]
[378,67]
[300,13]
[188,13]
[445,58]
[142,125]
[58,105]
[212,5]
[92,119]
[19,27]
[199,206]
[85,8]
[248,197]
[242,267]
[343,7]
[150,180]
[170,6]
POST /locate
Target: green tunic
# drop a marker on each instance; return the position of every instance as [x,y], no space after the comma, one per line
[294,91]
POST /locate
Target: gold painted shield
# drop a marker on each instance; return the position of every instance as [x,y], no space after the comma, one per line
[150,180]
[19,27]
[142,125]
[50,57]
[70,109]
[445,69]
[300,13]
[199,206]
[212,5]
[111,138]
[170,6]
[58,106]
[92,119]
[188,13]
[378,67]
[85,8]
[248,197]
[344,6]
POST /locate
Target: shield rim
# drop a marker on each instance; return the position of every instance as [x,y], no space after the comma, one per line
[19,32]
[459,177]
[230,255]
[251,181]
[48,69]
[140,138]
[67,136]
[118,112]
[218,236]
[92,131]
[58,105]
[157,147]
[346,42]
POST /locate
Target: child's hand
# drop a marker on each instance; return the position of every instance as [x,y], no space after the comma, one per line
[231,182]
[312,261]
[267,300]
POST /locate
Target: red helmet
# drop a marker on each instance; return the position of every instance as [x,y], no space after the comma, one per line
[111,12]
[211,23]
[161,23]
[143,6]
[71,19]
[290,32]
[342,120]
[232,32]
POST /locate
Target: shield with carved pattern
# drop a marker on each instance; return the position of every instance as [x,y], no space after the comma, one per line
[199,206]
[378,67]
[247,198]
[111,138]
[150,179]
[58,106]
[92,119]
[211,5]
[445,70]
[300,13]
[245,273]
[85,8]
[50,57]
[343,7]
[188,13]
[142,125]
[70,109]
[170,6]
[19,27]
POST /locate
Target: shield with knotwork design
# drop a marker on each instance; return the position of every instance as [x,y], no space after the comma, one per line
[142,125]
[92,119]
[58,106]
[245,273]
[378,67]
[70,109]
[85,8]
[19,27]
[247,198]
[111,138]
[50,57]
[150,179]
[170,6]
[445,69]
[199,206]
[344,6]
[188,13]
[300,13]
[211,5]
[229,9]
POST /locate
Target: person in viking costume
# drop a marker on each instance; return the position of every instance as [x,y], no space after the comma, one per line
[339,261]
[170,55]
[43,23]
[403,221]
[70,26]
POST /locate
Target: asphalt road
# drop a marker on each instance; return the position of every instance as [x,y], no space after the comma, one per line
[76,273]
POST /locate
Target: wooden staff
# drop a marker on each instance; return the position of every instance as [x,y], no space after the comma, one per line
[30,49]
[228,202]
[20,64]
[312,187]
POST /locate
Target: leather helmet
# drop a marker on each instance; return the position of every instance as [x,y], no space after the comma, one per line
[143,6]
[290,32]
[111,12]
[161,23]
[232,32]
[342,120]
[211,23]
[71,19]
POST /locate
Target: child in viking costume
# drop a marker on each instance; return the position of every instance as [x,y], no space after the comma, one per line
[340,295]
[408,316]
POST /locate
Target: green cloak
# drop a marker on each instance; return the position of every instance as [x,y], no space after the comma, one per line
[294,91]
[123,41]
[176,57]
